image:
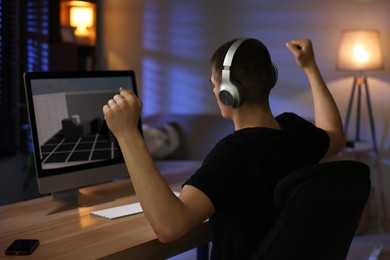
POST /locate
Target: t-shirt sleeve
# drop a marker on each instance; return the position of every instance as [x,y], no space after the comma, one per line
[216,177]
[316,139]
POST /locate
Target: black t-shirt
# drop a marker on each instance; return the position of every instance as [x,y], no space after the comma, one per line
[239,176]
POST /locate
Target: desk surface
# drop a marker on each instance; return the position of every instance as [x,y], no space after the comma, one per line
[72,233]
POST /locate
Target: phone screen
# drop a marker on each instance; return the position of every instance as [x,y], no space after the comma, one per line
[22,247]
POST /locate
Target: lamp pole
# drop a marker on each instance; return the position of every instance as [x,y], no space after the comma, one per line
[358,83]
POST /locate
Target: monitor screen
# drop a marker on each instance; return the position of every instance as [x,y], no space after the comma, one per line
[73,146]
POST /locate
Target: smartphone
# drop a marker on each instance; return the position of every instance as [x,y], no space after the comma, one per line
[22,247]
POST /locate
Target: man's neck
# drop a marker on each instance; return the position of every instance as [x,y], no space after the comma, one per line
[249,118]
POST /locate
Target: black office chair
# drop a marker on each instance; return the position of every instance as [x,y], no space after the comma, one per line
[321,206]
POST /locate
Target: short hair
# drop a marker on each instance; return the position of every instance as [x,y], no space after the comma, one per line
[251,68]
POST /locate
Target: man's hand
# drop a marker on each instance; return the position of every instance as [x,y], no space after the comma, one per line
[122,112]
[303,52]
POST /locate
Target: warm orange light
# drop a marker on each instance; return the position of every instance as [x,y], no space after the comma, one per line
[82,19]
[360,54]
[360,51]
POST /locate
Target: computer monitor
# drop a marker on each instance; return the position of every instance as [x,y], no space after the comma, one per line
[72,144]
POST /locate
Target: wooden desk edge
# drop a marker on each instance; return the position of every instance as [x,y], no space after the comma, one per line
[155,250]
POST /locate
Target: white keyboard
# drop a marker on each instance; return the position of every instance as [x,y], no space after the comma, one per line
[118,212]
[121,211]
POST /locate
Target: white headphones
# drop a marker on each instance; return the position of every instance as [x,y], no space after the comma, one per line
[231,93]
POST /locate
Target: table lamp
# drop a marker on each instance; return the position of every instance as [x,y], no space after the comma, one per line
[360,51]
[80,17]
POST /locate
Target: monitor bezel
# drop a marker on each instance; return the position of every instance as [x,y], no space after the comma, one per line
[48,173]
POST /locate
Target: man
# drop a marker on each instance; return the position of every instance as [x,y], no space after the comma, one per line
[234,186]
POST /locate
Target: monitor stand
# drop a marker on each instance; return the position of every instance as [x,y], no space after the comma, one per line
[75,197]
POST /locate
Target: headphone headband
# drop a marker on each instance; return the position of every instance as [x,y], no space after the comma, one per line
[230,53]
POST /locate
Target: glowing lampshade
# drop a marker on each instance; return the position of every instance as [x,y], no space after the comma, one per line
[82,19]
[360,50]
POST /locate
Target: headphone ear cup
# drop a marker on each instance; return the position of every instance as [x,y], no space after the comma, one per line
[230,94]
[276,75]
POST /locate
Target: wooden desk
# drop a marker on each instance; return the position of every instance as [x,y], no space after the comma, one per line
[72,233]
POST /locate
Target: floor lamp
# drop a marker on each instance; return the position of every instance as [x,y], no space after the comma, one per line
[360,51]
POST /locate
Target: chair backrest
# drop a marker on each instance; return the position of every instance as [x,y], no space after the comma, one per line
[321,206]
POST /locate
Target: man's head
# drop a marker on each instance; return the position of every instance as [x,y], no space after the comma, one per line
[251,70]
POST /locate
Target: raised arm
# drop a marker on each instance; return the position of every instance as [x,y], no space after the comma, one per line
[326,113]
[170,217]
